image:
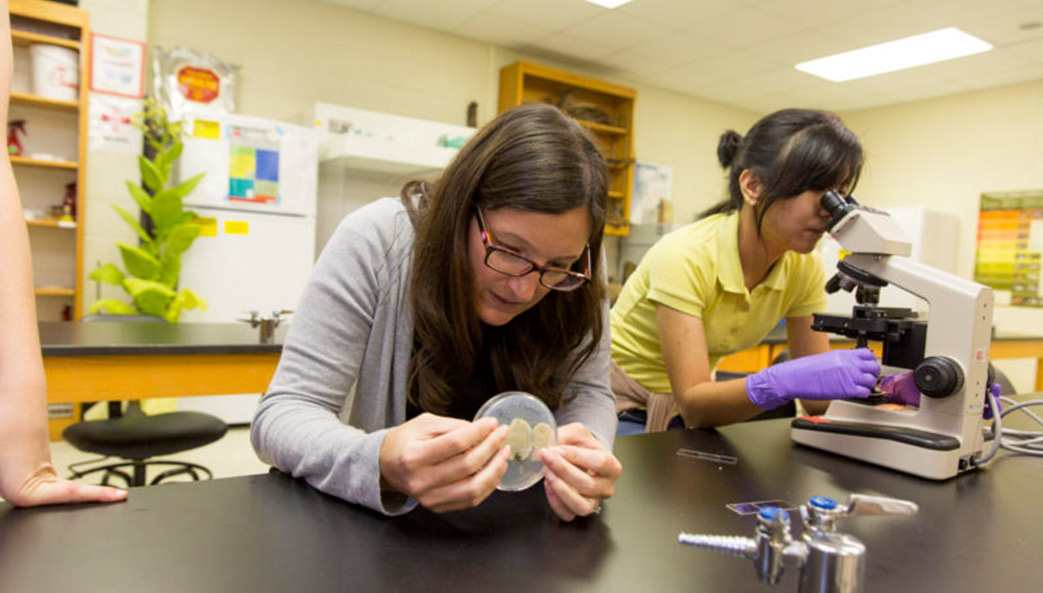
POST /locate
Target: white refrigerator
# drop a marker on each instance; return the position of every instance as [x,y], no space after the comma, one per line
[257,203]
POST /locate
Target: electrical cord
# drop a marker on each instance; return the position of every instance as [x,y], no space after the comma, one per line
[997,428]
[1025,442]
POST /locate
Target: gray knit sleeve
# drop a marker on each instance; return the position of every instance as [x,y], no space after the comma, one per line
[589,397]
[298,426]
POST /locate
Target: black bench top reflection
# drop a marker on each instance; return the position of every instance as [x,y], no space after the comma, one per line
[977,532]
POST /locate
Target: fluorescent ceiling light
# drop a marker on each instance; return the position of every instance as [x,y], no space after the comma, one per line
[609,3]
[909,52]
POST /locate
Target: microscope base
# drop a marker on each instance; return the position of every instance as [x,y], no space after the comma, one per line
[925,454]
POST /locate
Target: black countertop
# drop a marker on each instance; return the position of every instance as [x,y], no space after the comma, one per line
[114,337]
[270,533]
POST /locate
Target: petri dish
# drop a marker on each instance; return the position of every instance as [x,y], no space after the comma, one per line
[531,426]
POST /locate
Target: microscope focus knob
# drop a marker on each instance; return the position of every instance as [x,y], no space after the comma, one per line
[938,376]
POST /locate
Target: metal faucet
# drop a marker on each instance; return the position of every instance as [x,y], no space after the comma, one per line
[267,324]
[829,562]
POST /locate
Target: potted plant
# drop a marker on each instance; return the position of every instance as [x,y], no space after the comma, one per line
[153,267]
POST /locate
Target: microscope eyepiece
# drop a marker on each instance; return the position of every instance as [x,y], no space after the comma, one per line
[837,205]
[834,203]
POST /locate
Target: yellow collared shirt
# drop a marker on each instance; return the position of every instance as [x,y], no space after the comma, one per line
[696,270]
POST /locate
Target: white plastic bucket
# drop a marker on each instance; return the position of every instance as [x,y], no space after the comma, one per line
[56,71]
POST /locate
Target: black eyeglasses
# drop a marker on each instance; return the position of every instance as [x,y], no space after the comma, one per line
[507,262]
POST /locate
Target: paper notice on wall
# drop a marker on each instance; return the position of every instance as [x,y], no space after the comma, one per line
[652,186]
[109,127]
[117,66]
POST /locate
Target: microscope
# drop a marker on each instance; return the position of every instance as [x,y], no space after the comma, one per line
[948,352]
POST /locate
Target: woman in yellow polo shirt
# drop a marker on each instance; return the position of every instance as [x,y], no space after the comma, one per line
[718,286]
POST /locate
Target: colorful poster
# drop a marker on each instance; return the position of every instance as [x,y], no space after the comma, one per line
[253,174]
[1010,246]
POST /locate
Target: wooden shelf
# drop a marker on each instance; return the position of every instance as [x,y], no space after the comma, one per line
[52,224]
[526,82]
[68,27]
[51,12]
[26,38]
[31,162]
[603,128]
[30,100]
[55,291]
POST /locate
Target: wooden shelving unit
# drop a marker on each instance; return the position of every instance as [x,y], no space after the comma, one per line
[26,38]
[53,242]
[59,291]
[583,97]
[44,103]
[31,162]
[52,224]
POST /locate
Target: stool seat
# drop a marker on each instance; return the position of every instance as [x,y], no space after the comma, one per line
[138,436]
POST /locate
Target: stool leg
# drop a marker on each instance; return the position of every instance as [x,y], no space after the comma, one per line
[139,472]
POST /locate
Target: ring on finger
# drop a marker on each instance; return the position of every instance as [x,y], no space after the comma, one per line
[595,505]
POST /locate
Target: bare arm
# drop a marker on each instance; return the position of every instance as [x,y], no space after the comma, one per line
[703,402]
[804,341]
[26,475]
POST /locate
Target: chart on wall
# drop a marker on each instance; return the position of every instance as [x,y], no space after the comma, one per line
[253,165]
[1010,244]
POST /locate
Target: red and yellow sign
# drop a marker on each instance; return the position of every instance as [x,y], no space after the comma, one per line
[198,84]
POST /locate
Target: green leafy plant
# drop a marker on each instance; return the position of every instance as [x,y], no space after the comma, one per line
[153,267]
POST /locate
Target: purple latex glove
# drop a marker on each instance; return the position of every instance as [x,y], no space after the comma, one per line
[901,389]
[838,374]
[997,391]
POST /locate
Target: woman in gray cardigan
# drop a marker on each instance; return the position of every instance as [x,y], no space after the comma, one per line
[422,308]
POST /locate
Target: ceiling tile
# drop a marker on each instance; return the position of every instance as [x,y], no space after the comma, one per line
[627,63]
[568,45]
[501,31]
[1031,51]
[746,26]
[799,47]
[691,80]
[1004,29]
[366,5]
[739,65]
[445,15]
[620,29]
[549,14]
[482,4]
[741,52]
[675,49]
[678,13]
[886,24]
[819,13]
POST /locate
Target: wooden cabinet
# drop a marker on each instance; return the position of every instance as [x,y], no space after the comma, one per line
[604,108]
[54,153]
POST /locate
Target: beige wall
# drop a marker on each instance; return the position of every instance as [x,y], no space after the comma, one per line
[107,172]
[943,153]
[295,53]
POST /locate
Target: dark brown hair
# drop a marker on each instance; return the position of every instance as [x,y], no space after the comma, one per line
[531,158]
[791,151]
